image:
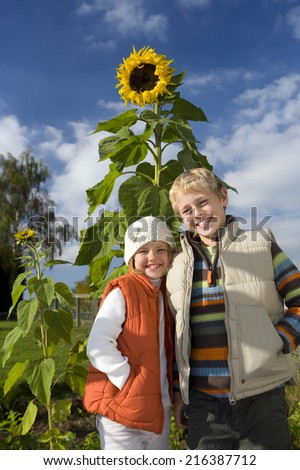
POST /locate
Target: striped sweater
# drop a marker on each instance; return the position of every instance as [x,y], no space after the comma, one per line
[208,359]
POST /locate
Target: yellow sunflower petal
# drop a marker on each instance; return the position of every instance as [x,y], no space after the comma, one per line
[143,77]
[25,235]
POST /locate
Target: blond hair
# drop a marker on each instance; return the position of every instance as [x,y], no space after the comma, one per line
[191,181]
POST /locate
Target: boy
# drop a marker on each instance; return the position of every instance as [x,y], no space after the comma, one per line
[227,290]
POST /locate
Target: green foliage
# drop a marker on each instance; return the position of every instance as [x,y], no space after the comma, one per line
[83,286]
[293,400]
[57,440]
[294,424]
[177,439]
[91,442]
[48,325]
[12,436]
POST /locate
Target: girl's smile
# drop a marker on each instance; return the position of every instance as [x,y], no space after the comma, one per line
[153,259]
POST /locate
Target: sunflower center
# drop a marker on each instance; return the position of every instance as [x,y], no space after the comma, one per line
[143,78]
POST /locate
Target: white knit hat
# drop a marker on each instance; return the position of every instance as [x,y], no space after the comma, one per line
[144,230]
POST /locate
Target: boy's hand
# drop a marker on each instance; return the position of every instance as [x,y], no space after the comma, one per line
[179,414]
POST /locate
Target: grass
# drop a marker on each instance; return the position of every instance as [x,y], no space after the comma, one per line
[30,345]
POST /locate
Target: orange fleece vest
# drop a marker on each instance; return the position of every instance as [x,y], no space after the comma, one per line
[139,403]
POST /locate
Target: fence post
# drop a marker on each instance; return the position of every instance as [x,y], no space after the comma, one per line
[94,309]
[77,311]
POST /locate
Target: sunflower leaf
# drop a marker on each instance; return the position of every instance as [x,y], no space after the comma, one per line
[154,200]
[129,193]
[101,192]
[187,110]
[63,294]
[98,268]
[90,245]
[60,322]
[107,146]
[27,310]
[39,375]
[169,173]
[128,119]
[118,271]
[99,239]
[178,130]
[10,340]
[190,159]
[130,152]
[146,169]
[43,288]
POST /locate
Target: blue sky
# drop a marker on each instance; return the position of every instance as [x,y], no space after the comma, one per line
[57,81]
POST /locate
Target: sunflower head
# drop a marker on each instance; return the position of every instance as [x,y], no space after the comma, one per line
[144,76]
[25,235]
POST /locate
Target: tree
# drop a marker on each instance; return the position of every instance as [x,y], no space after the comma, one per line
[83,286]
[24,202]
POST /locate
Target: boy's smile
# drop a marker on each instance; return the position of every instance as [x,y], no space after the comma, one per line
[203,212]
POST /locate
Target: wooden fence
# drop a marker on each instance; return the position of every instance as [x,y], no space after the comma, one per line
[86,308]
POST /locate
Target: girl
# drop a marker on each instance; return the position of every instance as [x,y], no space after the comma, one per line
[130,346]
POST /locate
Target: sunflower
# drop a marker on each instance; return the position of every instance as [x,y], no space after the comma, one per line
[25,235]
[143,76]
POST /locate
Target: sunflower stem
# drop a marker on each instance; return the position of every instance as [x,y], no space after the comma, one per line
[137,173]
[158,150]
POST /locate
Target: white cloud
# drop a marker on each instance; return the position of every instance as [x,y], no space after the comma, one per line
[293,22]
[194,3]
[81,169]
[94,44]
[274,97]
[3,105]
[118,106]
[219,77]
[129,17]
[14,138]
[54,139]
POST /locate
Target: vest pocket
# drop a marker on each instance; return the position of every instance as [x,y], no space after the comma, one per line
[260,344]
[140,398]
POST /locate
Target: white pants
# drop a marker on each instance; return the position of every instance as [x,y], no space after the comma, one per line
[115,436]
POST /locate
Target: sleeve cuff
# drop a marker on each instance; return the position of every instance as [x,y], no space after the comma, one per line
[120,379]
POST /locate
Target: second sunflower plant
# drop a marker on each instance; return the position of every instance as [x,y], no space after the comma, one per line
[145,79]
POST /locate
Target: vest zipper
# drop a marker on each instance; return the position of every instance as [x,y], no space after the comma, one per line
[209,277]
[231,399]
[211,267]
